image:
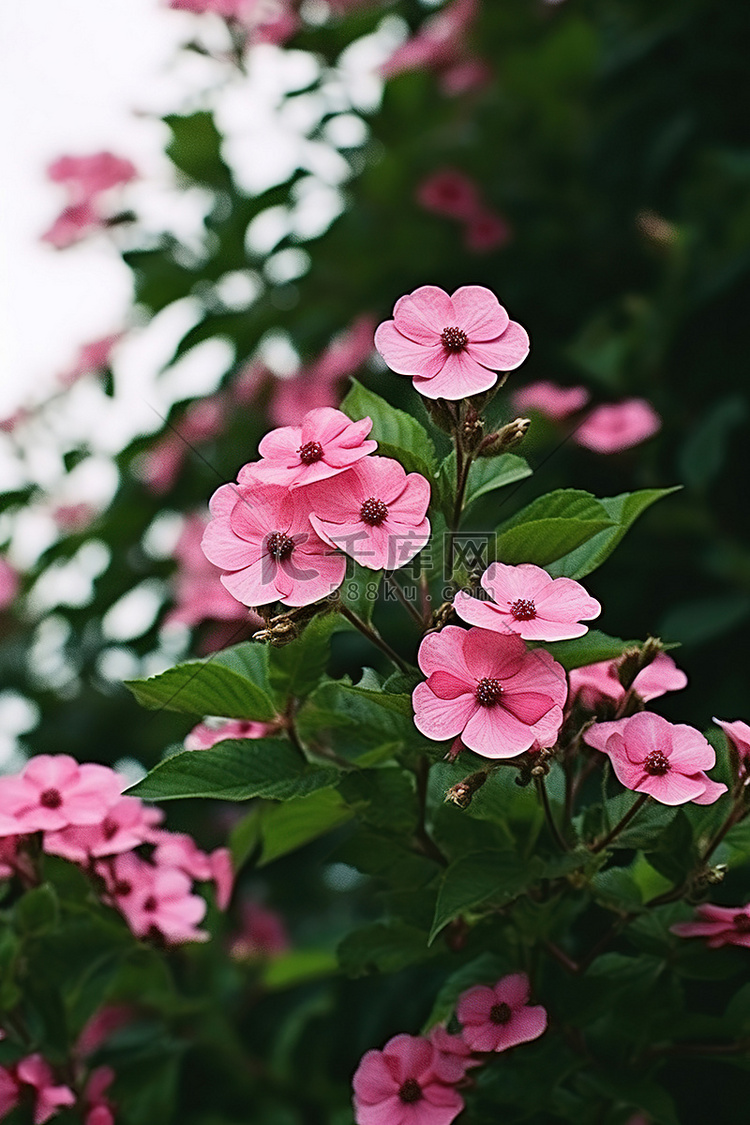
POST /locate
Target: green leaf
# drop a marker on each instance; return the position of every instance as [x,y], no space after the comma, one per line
[591,648]
[296,668]
[486,475]
[617,890]
[484,969]
[282,828]
[195,148]
[233,684]
[299,966]
[384,798]
[474,879]
[38,910]
[704,452]
[623,511]
[398,434]
[235,771]
[382,948]
[357,719]
[550,527]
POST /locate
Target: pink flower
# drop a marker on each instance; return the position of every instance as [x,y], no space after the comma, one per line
[201,421]
[501,698]
[9,584]
[452,346]
[101,1027]
[263,933]
[86,176]
[126,825]
[268,21]
[399,1086]
[498,1017]
[438,44]
[203,737]
[92,358]
[486,231]
[720,925]
[551,400]
[53,791]
[250,381]
[317,384]
[471,73]
[324,445]
[178,850]
[453,1056]
[738,734]
[526,600]
[199,594]
[72,224]
[73,517]
[35,1072]
[610,429]
[155,901]
[10,1090]
[596,683]
[261,536]
[99,1109]
[665,760]
[450,193]
[375,512]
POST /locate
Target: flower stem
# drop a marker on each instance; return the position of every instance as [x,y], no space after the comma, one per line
[560,840]
[374,636]
[426,843]
[410,609]
[621,824]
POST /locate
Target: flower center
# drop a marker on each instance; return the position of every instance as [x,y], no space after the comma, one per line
[501,1013]
[50,799]
[453,339]
[742,923]
[150,904]
[488,692]
[122,888]
[523,609]
[311,452]
[279,545]
[656,764]
[373,512]
[410,1092]
[109,828]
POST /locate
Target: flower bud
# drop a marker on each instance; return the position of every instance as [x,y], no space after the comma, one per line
[505,438]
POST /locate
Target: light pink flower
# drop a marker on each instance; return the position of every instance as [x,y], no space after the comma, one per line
[199,594]
[324,445]
[487,687]
[524,599]
[375,512]
[203,736]
[87,176]
[596,683]
[438,44]
[9,584]
[548,398]
[610,429]
[180,851]
[449,192]
[720,925]
[53,791]
[738,734]
[317,384]
[262,934]
[92,358]
[249,381]
[498,1017]
[267,21]
[34,1071]
[452,346]
[73,517]
[665,760]
[127,824]
[155,901]
[399,1086]
[453,1056]
[486,231]
[72,224]
[261,536]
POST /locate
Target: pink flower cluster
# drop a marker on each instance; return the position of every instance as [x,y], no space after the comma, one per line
[454,195]
[86,179]
[415,1080]
[33,1076]
[453,346]
[609,428]
[83,817]
[441,45]
[265,21]
[276,533]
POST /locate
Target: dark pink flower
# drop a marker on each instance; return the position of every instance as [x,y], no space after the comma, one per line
[267,21]
[179,851]
[198,591]
[10,1090]
[399,1086]
[486,231]
[470,73]
[262,934]
[73,517]
[99,1109]
[610,429]
[548,398]
[101,1027]
[375,512]
[324,445]
[498,1017]
[86,176]
[53,791]
[34,1071]
[487,687]
[250,381]
[449,192]
[526,600]
[9,584]
[738,734]
[720,925]
[261,536]
[665,760]
[203,736]
[595,683]
[438,44]
[72,224]
[155,901]
[451,346]
[127,824]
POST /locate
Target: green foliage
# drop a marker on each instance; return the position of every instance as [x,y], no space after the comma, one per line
[550,527]
[397,433]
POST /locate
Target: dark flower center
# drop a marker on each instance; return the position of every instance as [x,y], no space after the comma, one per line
[488,692]
[311,452]
[656,764]
[373,512]
[109,828]
[523,609]
[50,799]
[453,339]
[122,888]
[742,923]
[279,545]
[150,904]
[410,1092]
[501,1013]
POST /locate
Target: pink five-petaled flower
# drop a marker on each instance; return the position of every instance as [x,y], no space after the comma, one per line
[612,428]
[452,346]
[203,736]
[155,901]
[261,536]
[526,600]
[548,398]
[738,734]
[34,1071]
[180,851]
[487,687]
[720,925]
[665,760]
[376,513]
[399,1086]
[127,824]
[453,1056]
[498,1017]
[326,444]
[86,176]
[53,791]
[597,683]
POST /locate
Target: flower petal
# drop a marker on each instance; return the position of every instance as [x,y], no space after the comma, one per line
[423,314]
[480,314]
